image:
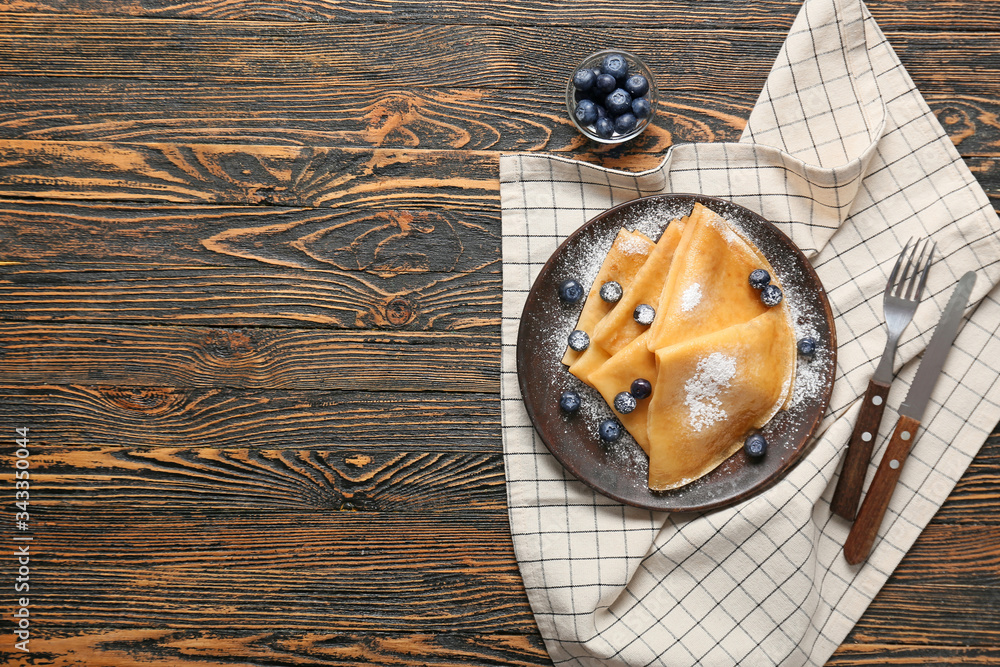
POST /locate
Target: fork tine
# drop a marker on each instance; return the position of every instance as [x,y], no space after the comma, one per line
[926,270]
[908,270]
[895,269]
[914,278]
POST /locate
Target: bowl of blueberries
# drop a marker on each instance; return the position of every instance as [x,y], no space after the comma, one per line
[611,96]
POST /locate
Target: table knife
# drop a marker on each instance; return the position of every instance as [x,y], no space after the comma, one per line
[869,520]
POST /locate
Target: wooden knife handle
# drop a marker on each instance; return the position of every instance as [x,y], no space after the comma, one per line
[859,541]
[859,452]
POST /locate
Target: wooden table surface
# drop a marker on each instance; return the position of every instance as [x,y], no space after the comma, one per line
[250,300]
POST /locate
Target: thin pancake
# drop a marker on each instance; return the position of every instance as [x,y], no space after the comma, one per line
[617,329]
[626,256]
[711,391]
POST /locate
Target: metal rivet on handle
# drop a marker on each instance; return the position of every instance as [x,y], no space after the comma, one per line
[877,400]
[866,436]
[905,435]
[894,464]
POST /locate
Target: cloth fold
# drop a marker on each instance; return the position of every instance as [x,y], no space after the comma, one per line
[842,153]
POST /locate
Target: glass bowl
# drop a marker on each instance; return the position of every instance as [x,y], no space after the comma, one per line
[573,96]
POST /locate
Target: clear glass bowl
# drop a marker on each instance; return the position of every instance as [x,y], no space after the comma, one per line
[635,66]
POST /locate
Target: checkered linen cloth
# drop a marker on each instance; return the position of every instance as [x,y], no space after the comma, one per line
[843,154]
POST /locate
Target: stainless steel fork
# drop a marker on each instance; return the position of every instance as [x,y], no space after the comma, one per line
[902,294]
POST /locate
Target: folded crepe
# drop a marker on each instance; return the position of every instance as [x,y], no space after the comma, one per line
[711,391]
[720,361]
[626,256]
[618,328]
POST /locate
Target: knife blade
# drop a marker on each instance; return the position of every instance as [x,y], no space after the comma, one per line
[937,350]
[869,520]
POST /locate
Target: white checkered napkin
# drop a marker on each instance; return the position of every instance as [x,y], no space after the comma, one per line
[843,154]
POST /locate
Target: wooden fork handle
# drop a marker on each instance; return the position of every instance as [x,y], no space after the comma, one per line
[862,536]
[859,452]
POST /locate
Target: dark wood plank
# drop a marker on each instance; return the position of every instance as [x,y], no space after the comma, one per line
[295,114]
[478,56]
[356,476]
[273,570]
[235,297]
[358,178]
[948,555]
[373,239]
[367,474]
[291,113]
[144,417]
[929,615]
[851,654]
[193,647]
[975,496]
[267,175]
[328,571]
[891,14]
[250,358]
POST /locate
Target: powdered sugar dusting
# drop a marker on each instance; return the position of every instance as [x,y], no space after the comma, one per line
[714,373]
[652,218]
[691,297]
[631,245]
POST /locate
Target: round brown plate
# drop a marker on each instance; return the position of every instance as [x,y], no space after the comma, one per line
[619,470]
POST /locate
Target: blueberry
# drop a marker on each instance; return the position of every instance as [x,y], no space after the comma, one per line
[618,102]
[579,96]
[569,401]
[610,430]
[643,313]
[615,65]
[771,295]
[611,291]
[641,388]
[585,112]
[604,127]
[601,111]
[570,291]
[755,445]
[624,402]
[584,79]
[637,85]
[625,123]
[759,279]
[578,340]
[642,108]
[807,347]
[605,84]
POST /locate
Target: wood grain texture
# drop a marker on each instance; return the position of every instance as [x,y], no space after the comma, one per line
[234,297]
[399,477]
[346,476]
[454,55]
[290,113]
[102,647]
[269,569]
[891,14]
[377,241]
[250,358]
[350,571]
[147,417]
[373,183]
[295,114]
[857,653]
[248,175]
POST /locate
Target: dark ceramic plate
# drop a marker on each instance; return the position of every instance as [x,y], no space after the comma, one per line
[619,470]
